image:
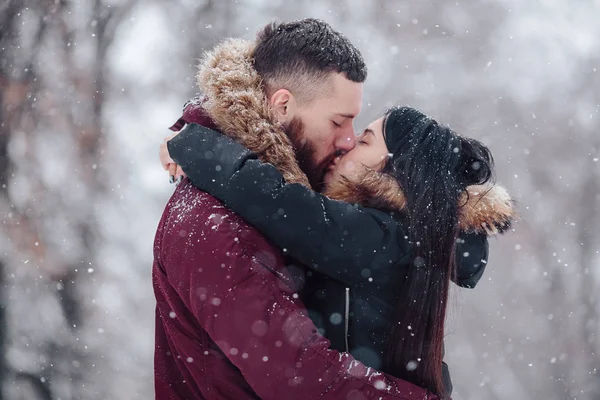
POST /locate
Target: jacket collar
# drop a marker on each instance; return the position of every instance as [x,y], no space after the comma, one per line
[236,102]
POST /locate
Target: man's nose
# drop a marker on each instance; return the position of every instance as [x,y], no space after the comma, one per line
[345,140]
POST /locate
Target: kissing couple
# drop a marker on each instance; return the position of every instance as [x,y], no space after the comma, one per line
[297,259]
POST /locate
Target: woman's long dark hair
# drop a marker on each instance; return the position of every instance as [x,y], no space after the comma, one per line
[433,166]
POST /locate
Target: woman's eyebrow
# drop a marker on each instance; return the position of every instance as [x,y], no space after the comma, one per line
[368,131]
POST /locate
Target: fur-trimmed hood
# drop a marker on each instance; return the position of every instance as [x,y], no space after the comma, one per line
[236,102]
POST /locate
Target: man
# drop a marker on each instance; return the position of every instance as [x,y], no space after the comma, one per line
[229,324]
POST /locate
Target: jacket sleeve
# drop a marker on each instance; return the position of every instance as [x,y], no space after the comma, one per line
[472,251]
[232,281]
[336,238]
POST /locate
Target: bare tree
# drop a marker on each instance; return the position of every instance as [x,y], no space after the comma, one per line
[53,101]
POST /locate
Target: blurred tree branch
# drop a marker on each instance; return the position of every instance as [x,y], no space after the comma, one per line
[31,97]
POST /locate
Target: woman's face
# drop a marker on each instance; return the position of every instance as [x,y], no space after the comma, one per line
[370,153]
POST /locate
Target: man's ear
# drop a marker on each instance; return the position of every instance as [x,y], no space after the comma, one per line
[283,105]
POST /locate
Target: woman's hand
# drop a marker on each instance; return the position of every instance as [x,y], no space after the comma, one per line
[176,174]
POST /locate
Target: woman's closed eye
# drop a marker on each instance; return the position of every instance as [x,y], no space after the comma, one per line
[362,139]
[365,137]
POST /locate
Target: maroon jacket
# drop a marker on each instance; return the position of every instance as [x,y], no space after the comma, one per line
[229,324]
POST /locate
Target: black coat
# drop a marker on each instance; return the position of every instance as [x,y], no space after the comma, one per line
[354,258]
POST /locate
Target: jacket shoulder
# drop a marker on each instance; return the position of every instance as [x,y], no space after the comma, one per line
[198,226]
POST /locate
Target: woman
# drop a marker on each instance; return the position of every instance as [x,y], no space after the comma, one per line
[394,266]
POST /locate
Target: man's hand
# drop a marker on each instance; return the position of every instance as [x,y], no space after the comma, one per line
[176,174]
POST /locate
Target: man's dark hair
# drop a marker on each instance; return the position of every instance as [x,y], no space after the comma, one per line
[300,55]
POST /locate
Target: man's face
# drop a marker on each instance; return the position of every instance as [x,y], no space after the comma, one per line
[323,128]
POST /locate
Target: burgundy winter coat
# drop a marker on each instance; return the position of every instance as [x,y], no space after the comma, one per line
[224,301]
[229,324]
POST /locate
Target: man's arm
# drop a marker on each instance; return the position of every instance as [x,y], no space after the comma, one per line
[233,282]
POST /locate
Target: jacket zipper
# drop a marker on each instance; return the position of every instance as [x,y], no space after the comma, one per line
[347,318]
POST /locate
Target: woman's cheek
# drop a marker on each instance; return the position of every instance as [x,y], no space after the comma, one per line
[348,167]
[352,170]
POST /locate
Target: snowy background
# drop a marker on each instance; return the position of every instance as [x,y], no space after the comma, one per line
[89,87]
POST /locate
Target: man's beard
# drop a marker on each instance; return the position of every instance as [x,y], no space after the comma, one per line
[305,151]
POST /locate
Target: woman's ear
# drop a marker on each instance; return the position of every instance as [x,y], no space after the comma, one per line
[283,105]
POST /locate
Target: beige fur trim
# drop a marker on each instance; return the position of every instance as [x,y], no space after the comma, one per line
[487,208]
[483,208]
[237,104]
[373,189]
